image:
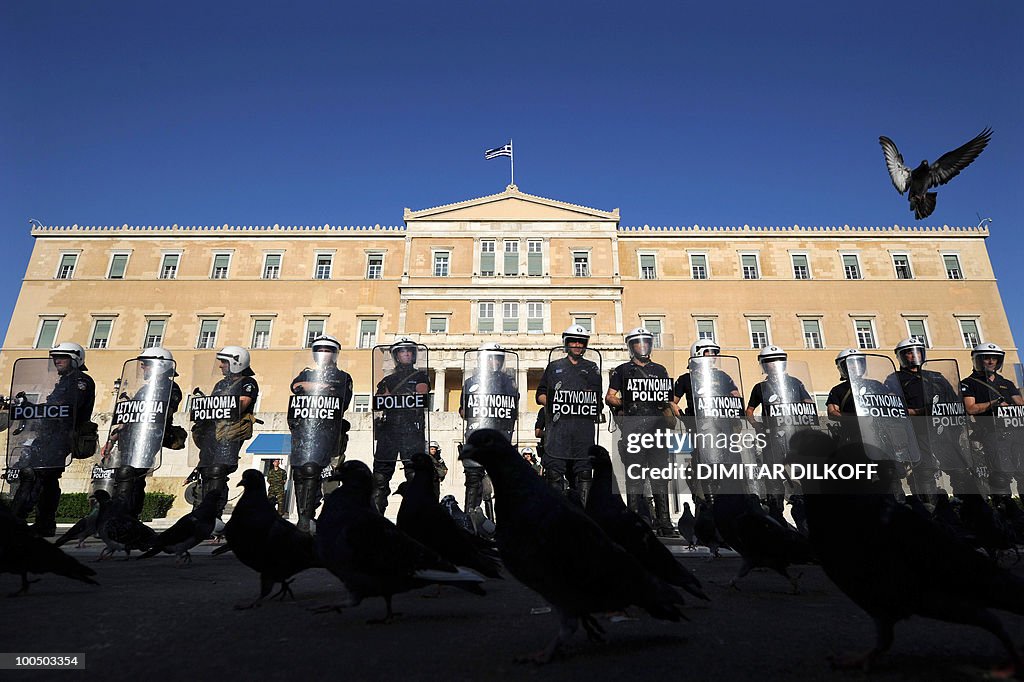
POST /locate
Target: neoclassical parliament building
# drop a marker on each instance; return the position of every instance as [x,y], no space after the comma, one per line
[512,268]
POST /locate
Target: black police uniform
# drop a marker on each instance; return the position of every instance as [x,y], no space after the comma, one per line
[1003,461]
[325,443]
[401,432]
[683,388]
[841,395]
[568,439]
[42,485]
[501,384]
[218,459]
[789,386]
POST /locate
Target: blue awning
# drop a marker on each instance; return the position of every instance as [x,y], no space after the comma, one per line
[271,444]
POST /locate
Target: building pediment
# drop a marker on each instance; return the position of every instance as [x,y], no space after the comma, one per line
[511,206]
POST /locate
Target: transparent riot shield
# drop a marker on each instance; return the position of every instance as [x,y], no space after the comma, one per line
[140,415]
[490,393]
[42,427]
[1009,429]
[718,409]
[212,406]
[574,399]
[787,406]
[321,392]
[945,419]
[401,401]
[882,419]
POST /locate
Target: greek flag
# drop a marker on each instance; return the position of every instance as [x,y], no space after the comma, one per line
[504,150]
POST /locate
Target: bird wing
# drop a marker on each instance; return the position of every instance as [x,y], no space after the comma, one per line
[949,165]
[899,173]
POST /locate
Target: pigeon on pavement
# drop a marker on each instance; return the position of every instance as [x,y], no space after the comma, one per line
[84,528]
[118,529]
[685,525]
[23,552]
[187,532]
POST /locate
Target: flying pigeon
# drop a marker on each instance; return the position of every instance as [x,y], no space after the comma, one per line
[369,554]
[553,547]
[926,176]
[263,541]
[187,532]
[118,529]
[23,552]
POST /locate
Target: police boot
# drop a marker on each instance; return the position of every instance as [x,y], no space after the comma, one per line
[215,482]
[381,490]
[474,488]
[633,502]
[583,481]
[307,494]
[555,480]
[46,512]
[662,518]
[124,486]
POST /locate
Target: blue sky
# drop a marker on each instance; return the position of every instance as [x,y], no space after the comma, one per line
[675,112]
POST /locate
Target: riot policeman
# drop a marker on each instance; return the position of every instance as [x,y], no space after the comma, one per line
[570,391]
[320,396]
[996,405]
[440,468]
[220,436]
[138,442]
[640,391]
[490,400]
[400,430]
[41,484]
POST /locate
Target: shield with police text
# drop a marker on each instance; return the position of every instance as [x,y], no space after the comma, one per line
[213,404]
[140,415]
[945,418]
[42,425]
[401,400]
[787,406]
[321,392]
[1008,418]
[490,392]
[572,386]
[718,412]
[883,423]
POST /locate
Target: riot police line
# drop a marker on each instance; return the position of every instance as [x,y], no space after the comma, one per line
[922,419]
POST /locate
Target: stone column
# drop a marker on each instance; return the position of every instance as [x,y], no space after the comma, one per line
[439,389]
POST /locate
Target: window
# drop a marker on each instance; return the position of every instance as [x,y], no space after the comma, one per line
[510,316]
[487,258]
[47,333]
[67,266]
[118,264]
[901,262]
[706,330]
[169,267]
[801,269]
[361,403]
[758,333]
[374,266]
[154,336]
[580,264]
[952,262]
[322,269]
[272,266]
[698,266]
[970,333]
[585,322]
[438,325]
[749,263]
[535,317]
[441,259]
[261,334]
[221,262]
[486,318]
[917,329]
[865,334]
[207,334]
[534,258]
[314,328]
[654,327]
[367,334]
[851,266]
[100,333]
[812,334]
[648,269]
[511,258]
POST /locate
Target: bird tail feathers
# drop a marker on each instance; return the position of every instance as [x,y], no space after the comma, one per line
[923,205]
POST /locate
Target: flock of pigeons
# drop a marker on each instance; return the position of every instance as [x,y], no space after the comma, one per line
[892,559]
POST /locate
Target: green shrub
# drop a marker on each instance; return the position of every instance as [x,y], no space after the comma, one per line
[74,506]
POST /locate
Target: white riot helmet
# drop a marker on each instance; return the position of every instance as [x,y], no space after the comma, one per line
[987,349]
[528,451]
[774,356]
[851,358]
[910,352]
[325,350]
[237,359]
[404,344]
[701,346]
[488,353]
[67,349]
[577,332]
[158,357]
[639,342]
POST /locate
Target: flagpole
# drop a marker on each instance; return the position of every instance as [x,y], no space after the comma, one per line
[512,157]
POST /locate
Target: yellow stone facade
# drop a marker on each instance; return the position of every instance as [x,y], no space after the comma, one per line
[557,262]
